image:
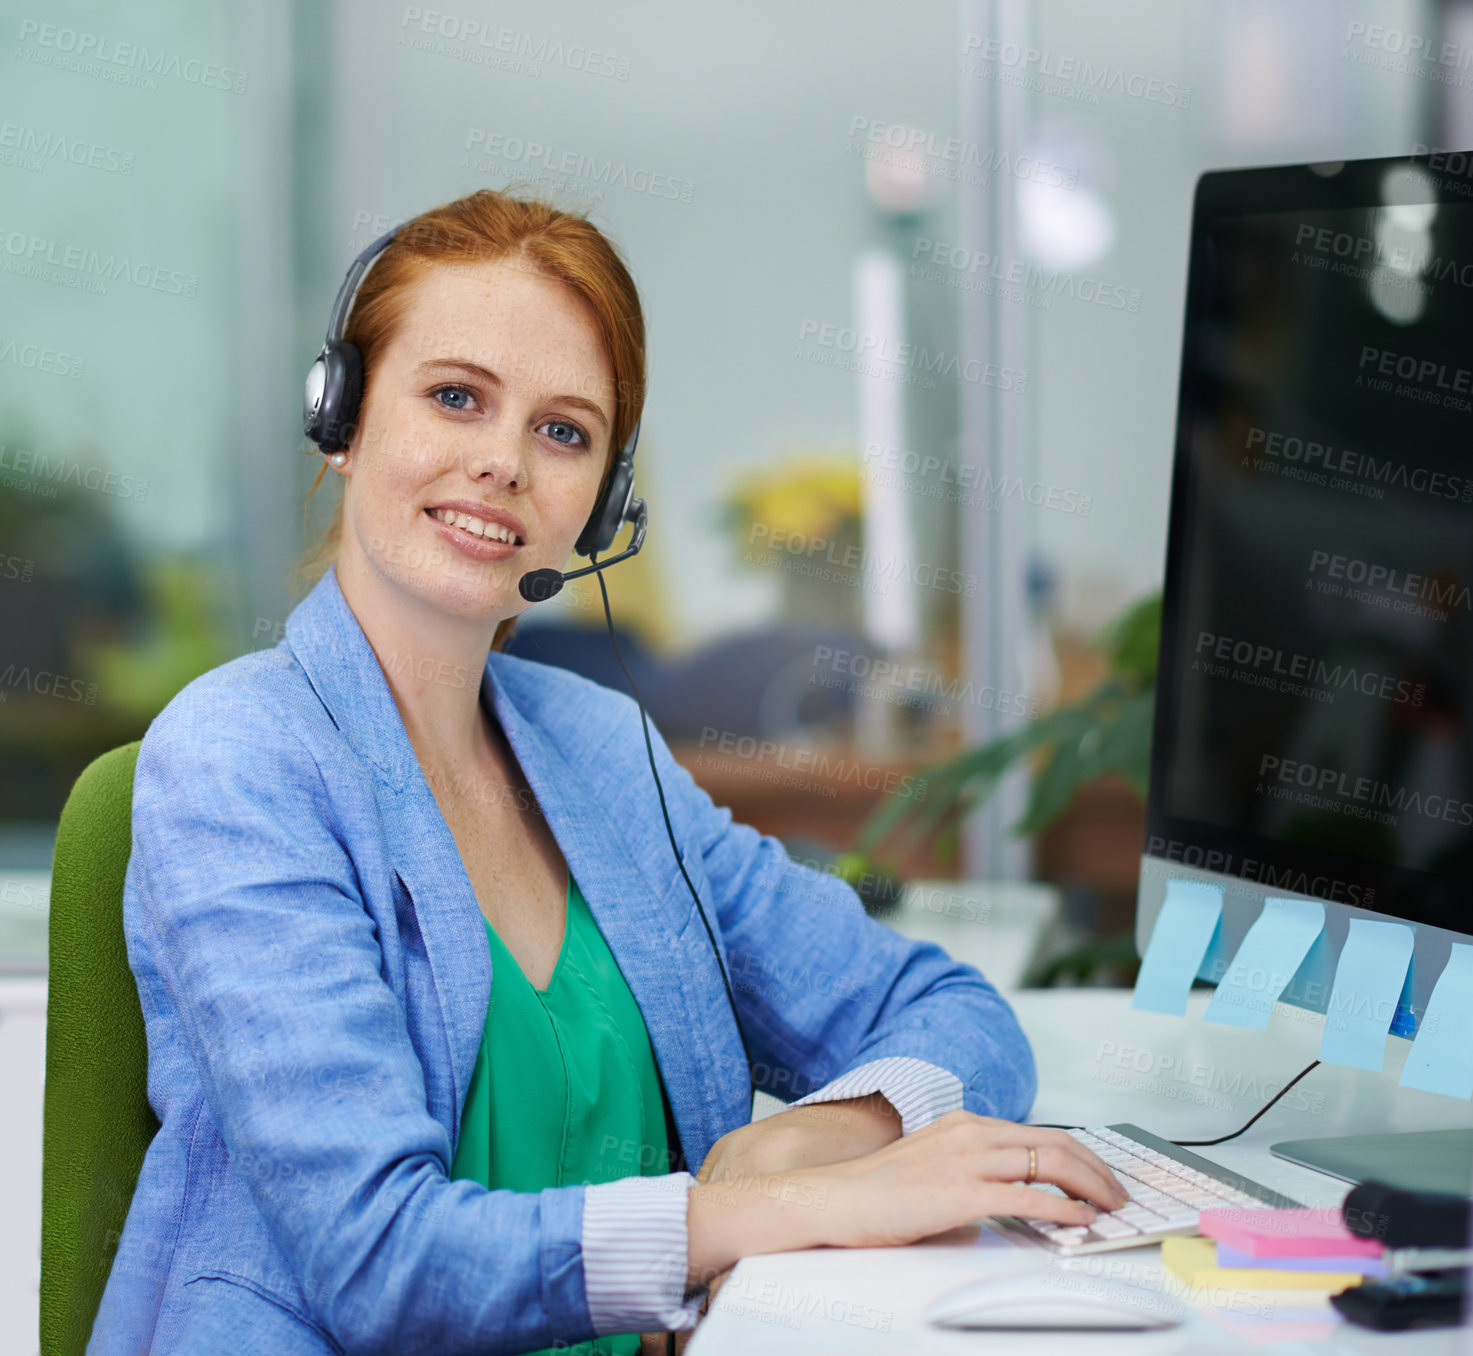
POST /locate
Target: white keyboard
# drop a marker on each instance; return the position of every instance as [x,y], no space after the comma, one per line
[1168,1188]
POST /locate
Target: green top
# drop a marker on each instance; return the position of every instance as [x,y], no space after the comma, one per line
[576,1095]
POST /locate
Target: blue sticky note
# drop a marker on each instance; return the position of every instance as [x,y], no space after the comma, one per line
[1368,985]
[1362,1266]
[1441,1058]
[1184,929]
[1276,944]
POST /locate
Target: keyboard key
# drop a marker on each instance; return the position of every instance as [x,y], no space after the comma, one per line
[1166,1196]
[1203,1200]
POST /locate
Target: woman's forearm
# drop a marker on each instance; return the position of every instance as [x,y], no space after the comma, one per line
[959,1169]
[737,1217]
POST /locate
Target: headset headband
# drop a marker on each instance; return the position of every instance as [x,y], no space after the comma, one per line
[348,292]
[334,390]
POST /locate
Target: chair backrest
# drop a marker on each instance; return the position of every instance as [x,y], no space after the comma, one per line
[98,1123]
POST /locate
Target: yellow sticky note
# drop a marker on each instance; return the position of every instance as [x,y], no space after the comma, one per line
[1194,1260]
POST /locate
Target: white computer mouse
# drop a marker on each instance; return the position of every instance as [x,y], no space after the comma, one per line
[1054,1299]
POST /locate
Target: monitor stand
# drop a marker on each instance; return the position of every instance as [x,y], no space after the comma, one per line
[1420,1160]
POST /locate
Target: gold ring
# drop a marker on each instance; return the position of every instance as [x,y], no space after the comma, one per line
[1032,1164]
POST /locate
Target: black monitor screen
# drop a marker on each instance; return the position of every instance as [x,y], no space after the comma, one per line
[1313,717]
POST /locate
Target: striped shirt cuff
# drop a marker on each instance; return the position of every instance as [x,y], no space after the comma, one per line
[919,1090]
[636,1252]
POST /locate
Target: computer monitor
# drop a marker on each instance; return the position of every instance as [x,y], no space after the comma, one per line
[1313,731]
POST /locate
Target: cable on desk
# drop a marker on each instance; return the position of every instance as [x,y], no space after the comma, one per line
[1221,1139]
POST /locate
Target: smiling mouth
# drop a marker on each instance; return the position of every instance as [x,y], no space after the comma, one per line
[476,527]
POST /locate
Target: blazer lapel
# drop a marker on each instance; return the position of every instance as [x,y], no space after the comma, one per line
[453,931]
[631,910]
[339,662]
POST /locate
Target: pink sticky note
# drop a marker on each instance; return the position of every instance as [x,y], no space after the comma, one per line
[1286,1233]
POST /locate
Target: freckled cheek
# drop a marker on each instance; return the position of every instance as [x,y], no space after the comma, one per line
[565,498]
[407,459]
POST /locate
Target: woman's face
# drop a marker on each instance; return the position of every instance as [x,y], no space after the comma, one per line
[482,440]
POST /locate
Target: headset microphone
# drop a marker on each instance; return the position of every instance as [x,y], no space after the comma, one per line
[540,585]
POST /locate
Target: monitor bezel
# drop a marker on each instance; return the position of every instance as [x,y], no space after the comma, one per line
[1380,889]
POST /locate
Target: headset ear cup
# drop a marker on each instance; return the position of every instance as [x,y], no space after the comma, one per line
[608,514]
[342,392]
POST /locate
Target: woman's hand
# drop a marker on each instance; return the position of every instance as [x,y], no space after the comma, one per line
[803,1137]
[959,1169]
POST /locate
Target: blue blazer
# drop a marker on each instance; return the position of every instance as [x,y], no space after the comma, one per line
[312,967]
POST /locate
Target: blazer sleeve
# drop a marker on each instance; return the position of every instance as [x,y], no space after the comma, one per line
[250,908]
[823,988]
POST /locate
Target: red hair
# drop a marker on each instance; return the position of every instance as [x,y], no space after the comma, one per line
[484,226]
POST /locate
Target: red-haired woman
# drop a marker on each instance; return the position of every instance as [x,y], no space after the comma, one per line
[435,1029]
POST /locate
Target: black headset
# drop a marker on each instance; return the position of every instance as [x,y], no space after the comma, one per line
[330,401]
[334,392]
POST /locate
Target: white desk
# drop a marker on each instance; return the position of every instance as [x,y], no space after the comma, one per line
[1102,1062]
[22,1075]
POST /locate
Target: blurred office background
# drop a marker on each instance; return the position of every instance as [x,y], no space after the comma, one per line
[914,305]
[800,192]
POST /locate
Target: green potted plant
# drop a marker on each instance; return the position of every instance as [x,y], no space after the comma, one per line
[1107,731]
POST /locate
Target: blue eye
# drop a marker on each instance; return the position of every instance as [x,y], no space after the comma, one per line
[455,391]
[571,428]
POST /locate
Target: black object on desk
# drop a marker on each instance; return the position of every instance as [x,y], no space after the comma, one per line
[1431,1299]
[1407,1219]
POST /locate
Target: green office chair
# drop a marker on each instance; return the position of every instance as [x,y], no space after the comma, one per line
[98,1123]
